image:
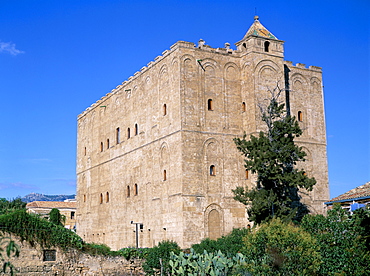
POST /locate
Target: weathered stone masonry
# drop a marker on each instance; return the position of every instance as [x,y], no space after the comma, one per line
[158,149]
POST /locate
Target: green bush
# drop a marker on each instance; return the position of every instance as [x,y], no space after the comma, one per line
[230,244]
[132,252]
[342,240]
[34,229]
[277,248]
[98,249]
[158,257]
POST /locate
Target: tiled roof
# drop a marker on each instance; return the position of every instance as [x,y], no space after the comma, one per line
[51,204]
[361,191]
[257,29]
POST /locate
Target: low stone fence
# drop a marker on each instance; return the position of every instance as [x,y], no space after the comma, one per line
[34,260]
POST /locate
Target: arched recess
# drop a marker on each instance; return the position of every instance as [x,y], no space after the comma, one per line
[163,86]
[214,221]
[269,78]
[232,95]
[317,110]
[165,168]
[190,104]
[211,159]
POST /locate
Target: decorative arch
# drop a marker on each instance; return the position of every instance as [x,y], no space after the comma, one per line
[214,221]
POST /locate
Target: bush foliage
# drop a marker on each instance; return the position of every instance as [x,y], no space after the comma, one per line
[159,256]
[229,244]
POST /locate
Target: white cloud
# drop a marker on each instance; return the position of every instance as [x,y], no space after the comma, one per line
[9,47]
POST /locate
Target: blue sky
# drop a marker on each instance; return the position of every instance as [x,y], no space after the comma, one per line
[59,57]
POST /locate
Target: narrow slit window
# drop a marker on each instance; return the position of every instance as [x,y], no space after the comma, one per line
[246,174]
[135,189]
[136,129]
[85,151]
[107,197]
[210,104]
[117,136]
[300,116]
[212,170]
[128,191]
[84,198]
[128,133]
[267,46]
[164,110]
[244,108]
[101,198]
[164,175]
[107,143]
[101,146]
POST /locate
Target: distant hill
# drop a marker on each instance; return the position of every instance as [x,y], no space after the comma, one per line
[40,197]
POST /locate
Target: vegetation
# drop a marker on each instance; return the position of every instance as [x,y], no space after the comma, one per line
[56,217]
[230,244]
[196,264]
[343,241]
[12,205]
[159,256]
[32,228]
[278,248]
[273,156]
[11,250]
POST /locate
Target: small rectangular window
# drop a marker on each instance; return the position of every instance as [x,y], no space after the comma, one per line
[73,215]
[49,255]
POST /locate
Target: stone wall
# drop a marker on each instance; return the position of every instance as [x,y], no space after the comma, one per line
[31,262]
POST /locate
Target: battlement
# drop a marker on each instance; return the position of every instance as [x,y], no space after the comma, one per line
[303,66]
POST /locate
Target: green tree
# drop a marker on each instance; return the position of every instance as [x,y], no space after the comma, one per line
[7,206]
[273,156]
[56,217]
[342,240]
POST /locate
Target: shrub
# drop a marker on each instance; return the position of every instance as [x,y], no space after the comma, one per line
[159,256]
[132,252]
[230,244]
[277,248]
[342,240]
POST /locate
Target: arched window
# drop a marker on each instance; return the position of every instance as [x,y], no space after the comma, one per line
[164,110]
[128,191]
[107,143]
[212,170]
[117,136]
[210,104]
[107,197]
[164,175]
[246,174]
[128,133]
[267,46]
[101,146]
[101,198]
[300,116]
[136,130]
[135,189]
[244,108]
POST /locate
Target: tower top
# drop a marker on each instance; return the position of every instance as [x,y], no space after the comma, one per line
[257,29]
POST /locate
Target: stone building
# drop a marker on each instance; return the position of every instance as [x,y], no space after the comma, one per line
[66,208]
[158,150]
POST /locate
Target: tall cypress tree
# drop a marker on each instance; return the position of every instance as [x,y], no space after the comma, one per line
[273,156]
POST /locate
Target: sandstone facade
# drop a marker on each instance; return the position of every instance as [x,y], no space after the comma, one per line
[159,150]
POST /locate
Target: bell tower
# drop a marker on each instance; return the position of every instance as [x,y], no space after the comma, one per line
[259,40]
